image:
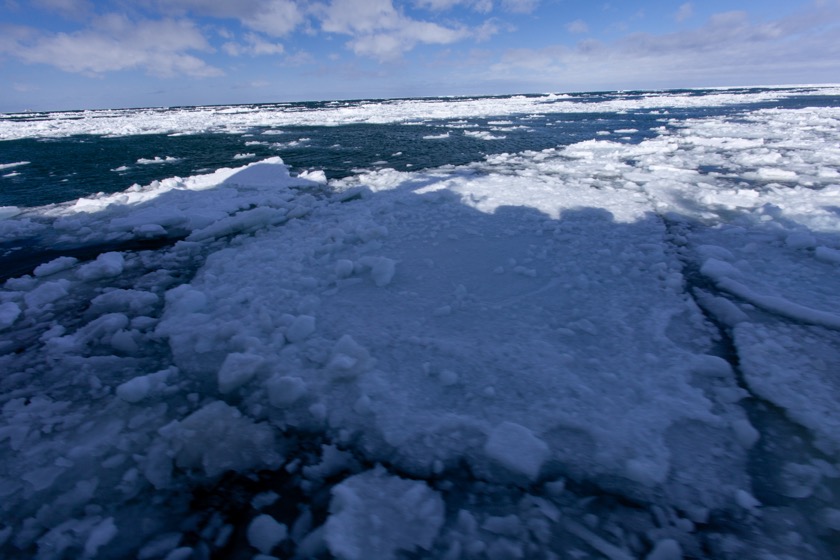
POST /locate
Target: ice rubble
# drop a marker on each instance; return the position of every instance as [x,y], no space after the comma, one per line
[497,338]
[193,120]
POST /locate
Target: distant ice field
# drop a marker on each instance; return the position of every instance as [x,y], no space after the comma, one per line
[594,326]
[76,154]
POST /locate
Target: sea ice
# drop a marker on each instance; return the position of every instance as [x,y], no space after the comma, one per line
[264,533]
[533,317]
[516,448]
[377,515]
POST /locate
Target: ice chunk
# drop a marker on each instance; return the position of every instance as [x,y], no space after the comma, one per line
[237,370]
[800,240]
[646,471]
[666,549]
[264,533]
[135,390]
[301,328]
[101,535]
[46,293]
[106,265]
[54,266]
[284,390]
[138,302]
[246,221]
[746,500]
[138,388]
[517,448]
[377,515]
[185,299]
[793,367]
[827,254]
[159,546]
[9,312]
[745,432]
[344,268]
[218,438]
[382,269]
[348,357]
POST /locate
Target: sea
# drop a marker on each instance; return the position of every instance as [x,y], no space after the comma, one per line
[564,325]
[78,153]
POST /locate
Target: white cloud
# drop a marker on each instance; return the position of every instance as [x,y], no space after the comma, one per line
[114,43]
[482,6]
[684,12]
[73,9]
[254,45]
[378,30]
[276,18]
[577,26]
[520,6]
[729,48]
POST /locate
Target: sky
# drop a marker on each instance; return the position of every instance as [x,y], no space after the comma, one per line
[85,54]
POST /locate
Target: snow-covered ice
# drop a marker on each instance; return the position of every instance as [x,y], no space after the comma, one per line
[605,349]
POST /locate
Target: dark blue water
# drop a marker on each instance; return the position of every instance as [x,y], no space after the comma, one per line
[62,169]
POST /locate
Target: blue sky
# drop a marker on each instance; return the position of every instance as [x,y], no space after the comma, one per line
[75,54]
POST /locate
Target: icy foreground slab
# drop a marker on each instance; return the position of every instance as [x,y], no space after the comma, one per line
[426,333]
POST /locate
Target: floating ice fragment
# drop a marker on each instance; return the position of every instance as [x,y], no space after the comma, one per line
[264,533]
[448,377]
[184,300]
[646,471]
[666,549]
[237,370]
[53,266]
[218,438]
[301,328]
[716,268]
[135,390]
[9,312]
[101,535]
[377,515]
[800,241]
[138,388]
[45,294]
[11,165]
[348,357]
[159,546]
[773,174]
[745,432]
[517,448]
[106,265]
[710,366]
[317,176]
[344,268]
[246,221]
[284,390]
[800,480]
[158,159]
[828,255]
[830,518]
[382,269]
[746,500]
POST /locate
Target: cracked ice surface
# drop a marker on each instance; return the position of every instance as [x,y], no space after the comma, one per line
[499,338]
